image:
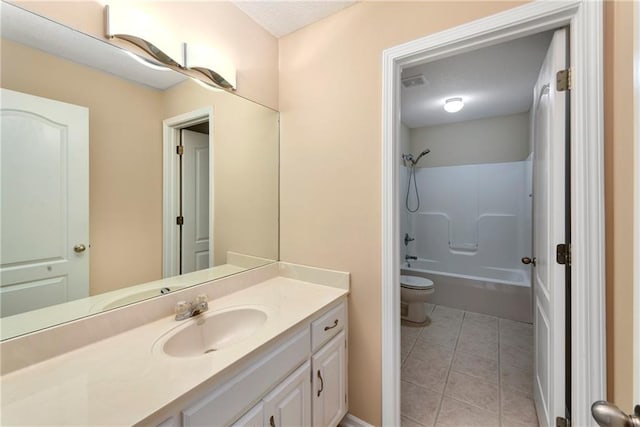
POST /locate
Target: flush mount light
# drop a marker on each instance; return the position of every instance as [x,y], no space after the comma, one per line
[453,105]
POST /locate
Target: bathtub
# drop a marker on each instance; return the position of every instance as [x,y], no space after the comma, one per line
[500,292]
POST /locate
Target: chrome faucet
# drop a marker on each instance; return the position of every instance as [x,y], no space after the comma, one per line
[408,239]
[408,257]
[187,309]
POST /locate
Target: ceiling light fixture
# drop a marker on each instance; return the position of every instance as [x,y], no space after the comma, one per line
[453,105]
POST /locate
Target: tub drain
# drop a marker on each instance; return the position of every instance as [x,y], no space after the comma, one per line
[211,350]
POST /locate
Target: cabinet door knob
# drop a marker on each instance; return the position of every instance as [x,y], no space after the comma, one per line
[272,422]
[321,383]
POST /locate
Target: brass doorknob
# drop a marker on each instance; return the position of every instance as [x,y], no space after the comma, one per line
[79,248]
[527,260]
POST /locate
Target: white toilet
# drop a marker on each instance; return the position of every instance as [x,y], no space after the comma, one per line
[414,291]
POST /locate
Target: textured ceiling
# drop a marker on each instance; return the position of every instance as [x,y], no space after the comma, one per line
[283,17]
[493,81]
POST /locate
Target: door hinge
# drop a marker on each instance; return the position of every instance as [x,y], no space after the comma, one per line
[563,254]
[562,422]
[179,150]
[180,220]
[564,80]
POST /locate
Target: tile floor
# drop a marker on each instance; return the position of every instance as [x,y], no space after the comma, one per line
[467,369]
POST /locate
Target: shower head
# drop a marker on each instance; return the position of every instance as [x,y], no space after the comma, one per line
[424,153]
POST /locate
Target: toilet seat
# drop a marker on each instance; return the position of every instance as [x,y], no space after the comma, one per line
[415,282]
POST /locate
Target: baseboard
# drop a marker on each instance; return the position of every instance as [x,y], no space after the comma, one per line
[353,421]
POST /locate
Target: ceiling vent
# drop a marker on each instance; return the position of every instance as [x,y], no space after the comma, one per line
[412,81]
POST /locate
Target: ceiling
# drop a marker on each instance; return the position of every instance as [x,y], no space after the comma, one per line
[283,17]
[493,81]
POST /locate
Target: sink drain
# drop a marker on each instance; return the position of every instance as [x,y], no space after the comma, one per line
[211,350]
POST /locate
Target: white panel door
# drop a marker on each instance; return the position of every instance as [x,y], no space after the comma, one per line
[195,203]
[45,202]
[289,404]
[329,383]
[549,231]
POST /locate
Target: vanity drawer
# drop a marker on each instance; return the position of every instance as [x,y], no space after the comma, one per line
[327,326]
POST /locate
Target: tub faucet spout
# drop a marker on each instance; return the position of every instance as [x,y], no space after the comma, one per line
[408,257]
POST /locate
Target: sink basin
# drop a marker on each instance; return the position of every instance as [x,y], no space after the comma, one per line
[212,332]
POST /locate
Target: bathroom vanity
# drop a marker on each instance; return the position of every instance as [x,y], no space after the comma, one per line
[271,350]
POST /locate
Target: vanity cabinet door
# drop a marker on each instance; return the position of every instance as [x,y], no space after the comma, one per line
[253,418]
[289,404]
[329,383]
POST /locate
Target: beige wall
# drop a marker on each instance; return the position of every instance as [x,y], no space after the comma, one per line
[491,140]
[252,50]
[125,160]
[619,196]
[330,103]
[245,169]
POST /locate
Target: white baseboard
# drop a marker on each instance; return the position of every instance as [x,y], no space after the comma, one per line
[353,421]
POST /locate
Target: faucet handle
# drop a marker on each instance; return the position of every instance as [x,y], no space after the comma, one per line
[182,309]
[202,299]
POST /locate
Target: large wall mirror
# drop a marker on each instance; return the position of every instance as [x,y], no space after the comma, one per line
[99,209]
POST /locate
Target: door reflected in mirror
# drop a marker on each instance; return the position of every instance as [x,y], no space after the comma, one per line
[133,119]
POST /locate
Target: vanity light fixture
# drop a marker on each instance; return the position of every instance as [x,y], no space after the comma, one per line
[146,62]
[150,37]
[208,62]
[453,105]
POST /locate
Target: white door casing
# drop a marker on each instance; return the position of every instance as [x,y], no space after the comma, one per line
[636,309]
[584,19]
[548,231]
[45,202]
[195,201]
[171,139]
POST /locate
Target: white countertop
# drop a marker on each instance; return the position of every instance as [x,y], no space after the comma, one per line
[121,380]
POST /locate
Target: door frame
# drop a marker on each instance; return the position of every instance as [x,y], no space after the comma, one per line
[588,345]
[636,216]
[170,139]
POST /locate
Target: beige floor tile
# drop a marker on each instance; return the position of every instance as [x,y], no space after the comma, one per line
[435,354]
[406,345]
[429,307]
[476,366]
[478,346]
[424,373]
[407,422]
[454,413]
[514,423]
[441,311]
[419,404]
[479,332]
[473,391]
[409,330]
[521,342]
[519,327]
[443,335]
[480,319]
[516,378]
[518,407]
[514,356]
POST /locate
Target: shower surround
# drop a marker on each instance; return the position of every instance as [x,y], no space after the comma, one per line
[471,231]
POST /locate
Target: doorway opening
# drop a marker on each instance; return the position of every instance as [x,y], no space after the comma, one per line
[466,217]
[188,243]
[584,23]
